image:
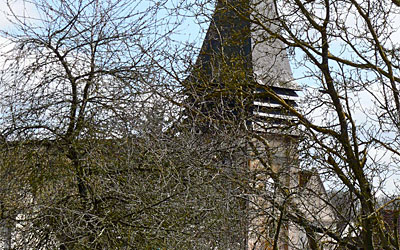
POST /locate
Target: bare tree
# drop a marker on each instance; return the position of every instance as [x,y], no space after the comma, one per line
[108,143]
[96,153]
[84,161]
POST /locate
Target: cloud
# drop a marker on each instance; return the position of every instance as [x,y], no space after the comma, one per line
[20,8]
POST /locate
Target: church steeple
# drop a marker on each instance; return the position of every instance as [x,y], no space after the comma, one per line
[237,60]
[239,70]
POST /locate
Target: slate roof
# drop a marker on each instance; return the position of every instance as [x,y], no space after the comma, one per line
[233,35]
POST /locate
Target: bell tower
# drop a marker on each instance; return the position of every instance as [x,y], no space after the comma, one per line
[239,73]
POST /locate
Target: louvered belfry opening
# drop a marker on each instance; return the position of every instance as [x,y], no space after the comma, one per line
[268,113]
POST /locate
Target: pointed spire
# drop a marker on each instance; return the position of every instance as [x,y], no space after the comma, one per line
[232,34]
[236,59]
